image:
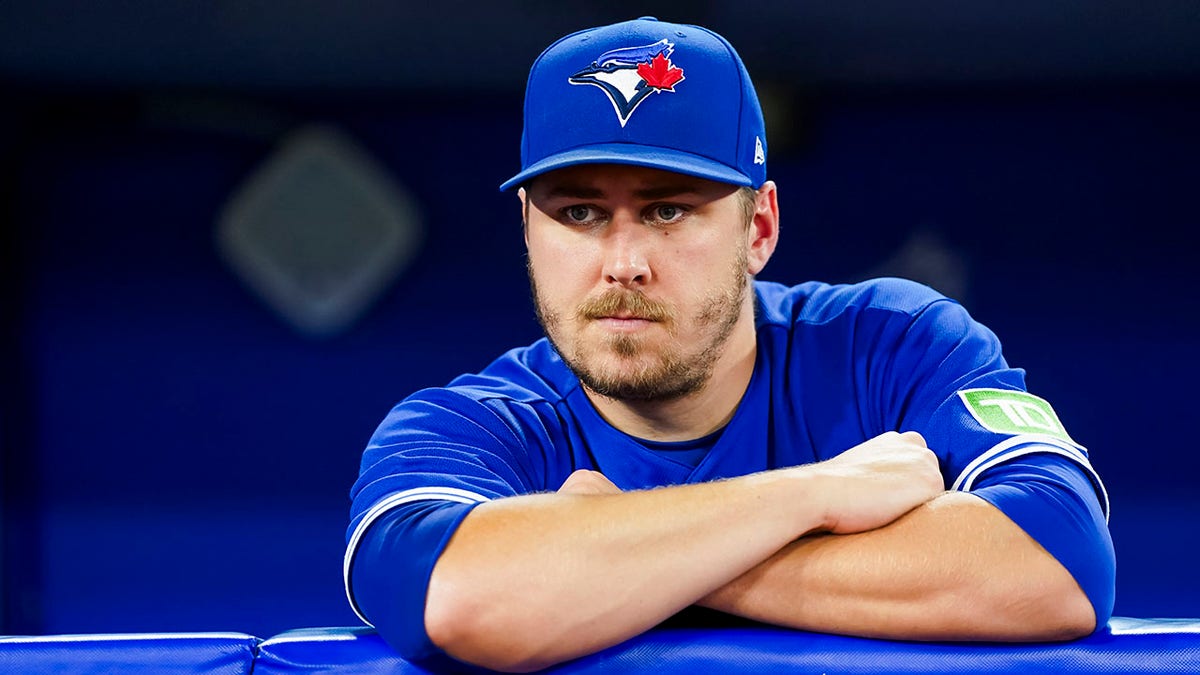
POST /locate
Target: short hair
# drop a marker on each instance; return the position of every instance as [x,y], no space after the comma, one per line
[748,197]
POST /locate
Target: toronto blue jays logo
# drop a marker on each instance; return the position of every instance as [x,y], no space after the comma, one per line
[630,74]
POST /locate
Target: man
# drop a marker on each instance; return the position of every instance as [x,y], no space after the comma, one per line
[851,459]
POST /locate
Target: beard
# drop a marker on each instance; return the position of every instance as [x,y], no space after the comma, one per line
[672,372]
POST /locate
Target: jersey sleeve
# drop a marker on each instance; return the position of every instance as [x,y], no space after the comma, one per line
[1052,500]
[435,457]
[949,381]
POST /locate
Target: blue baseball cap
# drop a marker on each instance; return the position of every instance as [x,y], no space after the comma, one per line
[645,93]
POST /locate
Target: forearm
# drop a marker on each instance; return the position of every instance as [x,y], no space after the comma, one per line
[528,581]
[533,580]
[953,569]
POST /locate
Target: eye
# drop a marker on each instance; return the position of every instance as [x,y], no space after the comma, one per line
[668,213]
[579,213]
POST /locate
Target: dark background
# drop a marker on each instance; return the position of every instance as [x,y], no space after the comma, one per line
[177,456]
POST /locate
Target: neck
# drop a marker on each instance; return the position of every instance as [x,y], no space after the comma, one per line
[697,414]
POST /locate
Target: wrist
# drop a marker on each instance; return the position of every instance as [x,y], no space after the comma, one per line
[806,506]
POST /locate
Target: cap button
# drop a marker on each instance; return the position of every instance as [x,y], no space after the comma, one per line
[647,18]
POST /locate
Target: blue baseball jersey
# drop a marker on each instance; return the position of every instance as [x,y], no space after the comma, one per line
[835,366]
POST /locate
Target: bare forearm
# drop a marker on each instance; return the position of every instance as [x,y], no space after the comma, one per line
[528,581]
[534,580]
[953,569]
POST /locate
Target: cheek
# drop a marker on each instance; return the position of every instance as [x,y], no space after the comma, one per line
[562,262]
[547,270]
[704,263]
[554,285]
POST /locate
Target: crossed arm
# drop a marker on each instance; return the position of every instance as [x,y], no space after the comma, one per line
[864,544]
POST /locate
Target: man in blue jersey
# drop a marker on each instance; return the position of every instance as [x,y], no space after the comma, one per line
[850,459]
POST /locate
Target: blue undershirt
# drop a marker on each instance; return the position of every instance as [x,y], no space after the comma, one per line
[685,452]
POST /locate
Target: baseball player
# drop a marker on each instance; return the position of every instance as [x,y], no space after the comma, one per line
[855,459]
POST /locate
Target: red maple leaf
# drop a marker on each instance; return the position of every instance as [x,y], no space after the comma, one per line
[660,74]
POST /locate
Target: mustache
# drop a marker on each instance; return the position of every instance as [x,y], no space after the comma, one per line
[625,303]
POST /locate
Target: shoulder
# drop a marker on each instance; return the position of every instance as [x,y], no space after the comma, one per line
[501,416]
[886,316]
[531,374]
[518,389]
[816,303]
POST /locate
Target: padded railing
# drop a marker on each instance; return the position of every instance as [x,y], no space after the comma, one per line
[218,653]
[1125,646]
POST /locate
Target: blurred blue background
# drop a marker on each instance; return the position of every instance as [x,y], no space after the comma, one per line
[177,453]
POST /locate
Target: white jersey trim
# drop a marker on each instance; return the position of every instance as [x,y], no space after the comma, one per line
[446,494]
[1029,444]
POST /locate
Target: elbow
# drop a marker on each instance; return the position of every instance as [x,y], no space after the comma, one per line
[483,634]
[1028,608]
[1053,613]
[1066,616]
[1067,605]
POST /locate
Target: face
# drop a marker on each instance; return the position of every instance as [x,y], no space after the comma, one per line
[639,276]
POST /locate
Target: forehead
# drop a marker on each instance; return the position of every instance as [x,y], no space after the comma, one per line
[595,181]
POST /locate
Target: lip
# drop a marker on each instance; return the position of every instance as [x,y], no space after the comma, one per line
[624,324]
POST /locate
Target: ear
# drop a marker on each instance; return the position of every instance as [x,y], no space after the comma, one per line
[763,233]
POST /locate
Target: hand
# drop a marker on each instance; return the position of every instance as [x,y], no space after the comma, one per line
[876,482]
[585,482]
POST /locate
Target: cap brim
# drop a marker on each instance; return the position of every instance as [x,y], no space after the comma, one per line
[633,155]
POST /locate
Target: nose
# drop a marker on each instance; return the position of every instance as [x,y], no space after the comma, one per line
[626,244]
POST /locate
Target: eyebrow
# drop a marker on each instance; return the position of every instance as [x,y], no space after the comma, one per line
[574,192]
[570,191]
[665,191]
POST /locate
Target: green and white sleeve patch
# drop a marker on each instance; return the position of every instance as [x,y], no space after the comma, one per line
[1004,411]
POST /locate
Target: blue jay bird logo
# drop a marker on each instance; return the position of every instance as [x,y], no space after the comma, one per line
[630,74]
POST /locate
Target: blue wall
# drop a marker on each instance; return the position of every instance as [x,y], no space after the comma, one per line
[178,458]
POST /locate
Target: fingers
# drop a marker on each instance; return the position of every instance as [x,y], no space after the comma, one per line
[879,480]
[585,482]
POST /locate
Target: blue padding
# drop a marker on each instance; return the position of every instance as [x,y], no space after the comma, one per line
[210,653]
[1151,646]
[754,650]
